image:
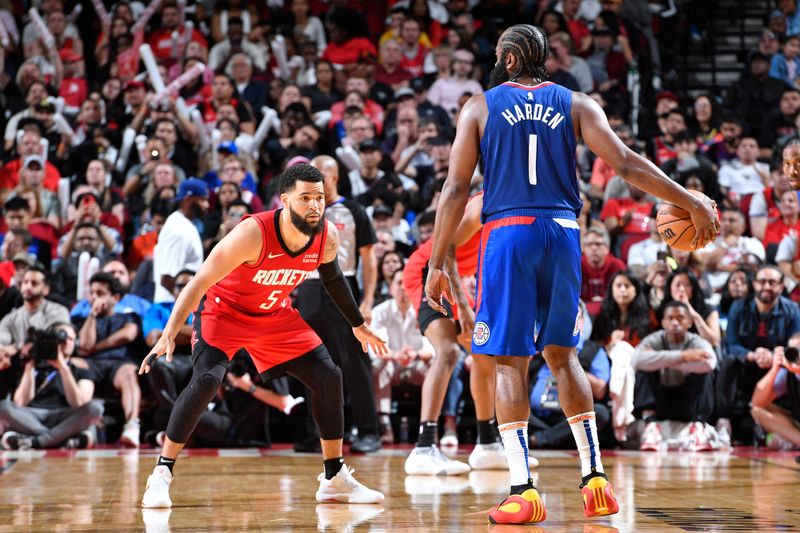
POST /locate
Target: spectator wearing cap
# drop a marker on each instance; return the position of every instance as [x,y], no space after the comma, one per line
[160,39]
[235,42]
[30,143]
[74,89]
[180,246]
[785,65]
[134,98]
[45,205]
[36,92]
[386,218]
[414,52]
[561,47]
[609,66]
[446,92]
[666,101]
[390,70]
[662,148]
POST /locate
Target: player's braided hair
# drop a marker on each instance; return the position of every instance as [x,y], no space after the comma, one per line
[529,44]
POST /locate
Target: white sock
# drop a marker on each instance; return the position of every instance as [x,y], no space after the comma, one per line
[515,442]
[584,429]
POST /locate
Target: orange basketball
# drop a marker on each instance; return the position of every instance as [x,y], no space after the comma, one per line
[675,226]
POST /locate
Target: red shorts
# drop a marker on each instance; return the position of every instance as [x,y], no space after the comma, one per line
[271,340]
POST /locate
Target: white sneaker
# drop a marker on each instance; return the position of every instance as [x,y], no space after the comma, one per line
[449,439]
[130,434]
[699,438]
[488,457]
[430,461]
[156,520]
[292,403]
[651,439]
[345,518]
[344,488]
[156,493]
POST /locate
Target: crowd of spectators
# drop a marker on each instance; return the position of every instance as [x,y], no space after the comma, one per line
[114,189]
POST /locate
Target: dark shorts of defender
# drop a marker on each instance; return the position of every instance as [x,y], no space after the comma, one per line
[427,314]
[319,311]
[314,369]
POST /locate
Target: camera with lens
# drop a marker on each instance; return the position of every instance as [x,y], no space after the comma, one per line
[791,354]
[44,343]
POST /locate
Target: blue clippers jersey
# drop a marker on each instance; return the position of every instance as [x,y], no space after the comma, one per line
[528,149]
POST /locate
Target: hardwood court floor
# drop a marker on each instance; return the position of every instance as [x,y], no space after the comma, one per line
[273,490]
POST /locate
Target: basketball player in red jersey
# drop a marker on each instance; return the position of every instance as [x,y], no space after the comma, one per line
[241,297]
[443,331]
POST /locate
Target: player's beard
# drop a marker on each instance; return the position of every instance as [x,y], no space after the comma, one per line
[498,75]
[303,225]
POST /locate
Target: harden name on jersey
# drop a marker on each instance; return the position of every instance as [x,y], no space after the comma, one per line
[533,112]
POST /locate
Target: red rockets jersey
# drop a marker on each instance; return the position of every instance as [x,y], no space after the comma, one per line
[263,289]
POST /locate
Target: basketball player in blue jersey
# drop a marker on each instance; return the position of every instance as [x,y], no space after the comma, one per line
[529,276]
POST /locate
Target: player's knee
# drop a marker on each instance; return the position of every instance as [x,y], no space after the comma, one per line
[448,354]
[332,385]
[757,413]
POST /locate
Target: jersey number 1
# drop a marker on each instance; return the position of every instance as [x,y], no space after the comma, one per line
[532,146]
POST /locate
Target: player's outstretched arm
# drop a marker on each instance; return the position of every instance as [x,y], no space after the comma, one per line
[591,125]
[452,201]
[339,290]
[242,245]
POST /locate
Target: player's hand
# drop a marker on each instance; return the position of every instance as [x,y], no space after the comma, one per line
[164,346]
[436,286]
[762,357]
[695,355]
[466,319]
[367,338]
[705,221]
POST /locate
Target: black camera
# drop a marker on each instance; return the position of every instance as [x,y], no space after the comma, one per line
[44,343]
[791,354]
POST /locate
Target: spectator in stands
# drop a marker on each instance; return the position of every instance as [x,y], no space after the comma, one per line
[446,92]
[744,176]
[726,253]
[674,379]
[609,66]
[37,91]
[223,92]
[581,36]
[662,148]
[785,64]
[755,94]
[346,44]
[179,244]
[738,285]
[756,326]
[628,219]
[561,46]
[559,74]
[389,69]
[128,303]
[160,39]
[780,418]
[788,222]
[414,51]
[409,352]
[52,405]
[688,158]
[36,311]
[779,122]
[624,309]
[29,144]
[236,42]
[106,341]
[643,254]
[683,286]
[706,112]
[18,216]
[788,9]
[724,151]
[597,268]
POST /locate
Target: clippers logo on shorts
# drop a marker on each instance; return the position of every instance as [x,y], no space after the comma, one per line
[480,335]
[578,323]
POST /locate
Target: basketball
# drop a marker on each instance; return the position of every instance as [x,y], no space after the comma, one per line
[675,225]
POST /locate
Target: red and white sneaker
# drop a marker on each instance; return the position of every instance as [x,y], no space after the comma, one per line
[525,508]
[598,497]
[651,438]
[699,438]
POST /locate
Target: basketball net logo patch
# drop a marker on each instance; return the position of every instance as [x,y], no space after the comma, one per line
[480,335]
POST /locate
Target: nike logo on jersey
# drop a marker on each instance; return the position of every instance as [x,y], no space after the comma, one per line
[273,256]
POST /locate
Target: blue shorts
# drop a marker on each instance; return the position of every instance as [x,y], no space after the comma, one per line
[529,282]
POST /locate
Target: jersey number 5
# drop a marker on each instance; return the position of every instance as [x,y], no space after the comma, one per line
[273,299]
[532,147]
